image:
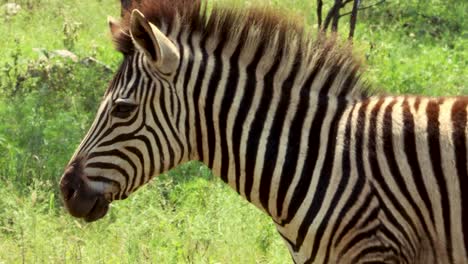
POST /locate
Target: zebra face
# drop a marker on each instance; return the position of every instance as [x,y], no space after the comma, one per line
[128,142]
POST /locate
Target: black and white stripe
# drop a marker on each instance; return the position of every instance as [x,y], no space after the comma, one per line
[347,178]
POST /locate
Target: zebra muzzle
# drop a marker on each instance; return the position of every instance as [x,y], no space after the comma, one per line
[79,198]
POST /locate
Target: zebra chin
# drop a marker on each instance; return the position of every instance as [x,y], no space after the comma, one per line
[80,197]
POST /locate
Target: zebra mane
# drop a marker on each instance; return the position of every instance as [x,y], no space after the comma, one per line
[271,30]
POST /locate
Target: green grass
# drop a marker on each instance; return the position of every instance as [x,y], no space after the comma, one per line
[167,222]
[47,104]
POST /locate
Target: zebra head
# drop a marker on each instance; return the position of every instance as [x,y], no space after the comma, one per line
[129,141]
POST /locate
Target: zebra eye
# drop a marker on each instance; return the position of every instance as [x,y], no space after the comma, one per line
[123,109]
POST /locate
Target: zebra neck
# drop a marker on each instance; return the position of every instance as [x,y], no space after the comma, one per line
[273,155]
[258,118]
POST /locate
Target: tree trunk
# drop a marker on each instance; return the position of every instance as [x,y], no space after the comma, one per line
[353,19]
[331,16]
[319,13]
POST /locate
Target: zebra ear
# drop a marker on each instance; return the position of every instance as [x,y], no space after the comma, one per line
[114,26]
[153,43]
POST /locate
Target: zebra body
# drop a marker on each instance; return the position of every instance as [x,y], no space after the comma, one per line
[286,122]
[394,191]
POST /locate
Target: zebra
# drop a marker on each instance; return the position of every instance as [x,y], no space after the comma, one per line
[285,119]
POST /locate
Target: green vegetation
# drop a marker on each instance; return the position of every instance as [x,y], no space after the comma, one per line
[47,103]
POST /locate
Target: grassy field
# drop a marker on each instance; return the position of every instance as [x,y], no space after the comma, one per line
[47,103]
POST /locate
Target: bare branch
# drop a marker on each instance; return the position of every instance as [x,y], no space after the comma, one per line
[364,8]
[346,2]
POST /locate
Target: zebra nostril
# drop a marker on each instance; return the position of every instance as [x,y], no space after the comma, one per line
[68,192]
[70,184]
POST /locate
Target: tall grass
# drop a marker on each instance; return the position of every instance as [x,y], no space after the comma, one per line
[47,103]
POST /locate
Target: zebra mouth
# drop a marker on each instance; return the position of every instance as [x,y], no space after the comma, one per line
[98,211]
[81,199]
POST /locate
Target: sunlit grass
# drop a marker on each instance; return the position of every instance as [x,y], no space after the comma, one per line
[195,220]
